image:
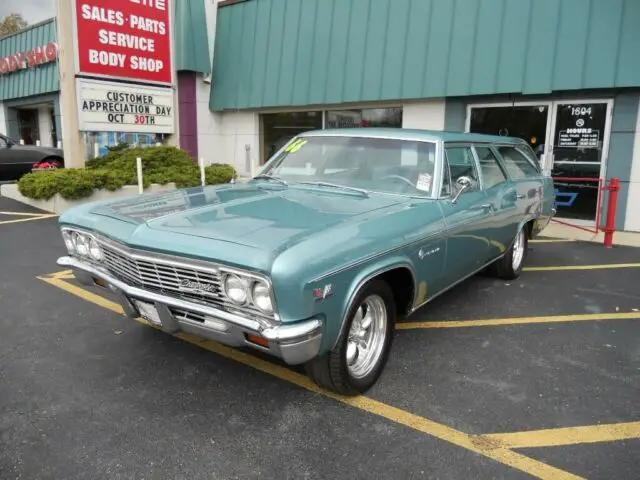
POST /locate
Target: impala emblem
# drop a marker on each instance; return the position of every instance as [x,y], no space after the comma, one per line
[196,287]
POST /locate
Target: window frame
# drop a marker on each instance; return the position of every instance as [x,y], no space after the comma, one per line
[444,158]
[517,148]
[498,159]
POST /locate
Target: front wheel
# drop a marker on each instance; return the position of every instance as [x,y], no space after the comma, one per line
[510,265]
[361,353]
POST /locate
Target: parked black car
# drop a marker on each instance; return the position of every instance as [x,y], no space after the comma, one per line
[16,159]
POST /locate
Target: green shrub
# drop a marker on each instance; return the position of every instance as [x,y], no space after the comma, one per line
[160,165]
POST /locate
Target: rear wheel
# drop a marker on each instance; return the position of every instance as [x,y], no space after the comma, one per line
[510,265]
[357,361]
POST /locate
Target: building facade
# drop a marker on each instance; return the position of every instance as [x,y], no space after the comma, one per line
[30,85]
[563,74]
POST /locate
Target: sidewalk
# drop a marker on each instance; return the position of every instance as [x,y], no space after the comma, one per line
[556,230]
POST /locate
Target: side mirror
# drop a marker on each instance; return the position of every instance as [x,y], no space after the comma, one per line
[464,184]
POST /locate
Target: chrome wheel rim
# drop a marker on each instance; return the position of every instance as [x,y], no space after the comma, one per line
[367,335]
[518,251]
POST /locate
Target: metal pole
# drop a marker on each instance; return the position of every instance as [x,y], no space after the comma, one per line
[139,172]
[202,175]
[612,207]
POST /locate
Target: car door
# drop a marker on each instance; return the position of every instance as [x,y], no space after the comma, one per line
[502,196]
[467,214]
[527,194]
[8,165]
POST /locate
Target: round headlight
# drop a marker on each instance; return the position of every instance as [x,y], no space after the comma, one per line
[94,250]
[68,242]
[82,244]
[236,289]
[262,297]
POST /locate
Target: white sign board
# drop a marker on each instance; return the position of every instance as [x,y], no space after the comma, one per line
[116,107]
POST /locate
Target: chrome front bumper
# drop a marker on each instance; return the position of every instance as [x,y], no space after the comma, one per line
[295,343]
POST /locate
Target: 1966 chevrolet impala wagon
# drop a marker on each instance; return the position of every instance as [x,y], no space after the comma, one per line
[314,259]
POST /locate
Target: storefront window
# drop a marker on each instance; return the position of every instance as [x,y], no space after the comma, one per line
[577,158]
[97,143]
[279,128]
[526,122]
[371,117]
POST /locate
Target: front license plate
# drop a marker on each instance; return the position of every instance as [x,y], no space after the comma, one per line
[148,312]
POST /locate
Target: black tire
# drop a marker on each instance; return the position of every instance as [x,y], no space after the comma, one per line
[503,268]
[330,370]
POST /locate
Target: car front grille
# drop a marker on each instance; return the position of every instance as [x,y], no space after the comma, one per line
[169,278]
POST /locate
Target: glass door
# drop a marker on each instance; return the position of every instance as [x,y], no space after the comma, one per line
[526,120]
[580,143]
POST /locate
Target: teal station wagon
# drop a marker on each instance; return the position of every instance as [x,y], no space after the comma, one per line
[315,259]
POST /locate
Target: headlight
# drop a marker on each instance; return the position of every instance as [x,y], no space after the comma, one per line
[94,250]
[262,297]
[68,242]
[82,244]
[236,289]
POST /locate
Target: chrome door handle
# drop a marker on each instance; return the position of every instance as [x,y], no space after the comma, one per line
[519,196]
[486,206]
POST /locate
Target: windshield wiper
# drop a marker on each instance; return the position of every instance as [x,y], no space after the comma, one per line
[270,177]
[335,185]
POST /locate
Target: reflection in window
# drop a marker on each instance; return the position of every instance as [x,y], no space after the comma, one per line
[462,164]
[516,163]
[371,117]
[279,128]
[376,164]
[492,173]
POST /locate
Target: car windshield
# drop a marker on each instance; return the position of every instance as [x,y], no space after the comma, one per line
[383,165]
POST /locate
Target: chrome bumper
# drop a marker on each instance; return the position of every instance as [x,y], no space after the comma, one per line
[294,343]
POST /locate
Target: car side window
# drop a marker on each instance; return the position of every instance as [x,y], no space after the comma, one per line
[462,164]
[517,164]
[492,173]
[3,143]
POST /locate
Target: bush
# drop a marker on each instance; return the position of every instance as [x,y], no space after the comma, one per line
[160,165]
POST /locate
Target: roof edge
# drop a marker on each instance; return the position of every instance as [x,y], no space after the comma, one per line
[29,27]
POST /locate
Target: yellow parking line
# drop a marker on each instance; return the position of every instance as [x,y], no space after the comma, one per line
[492,322]
[40,217]
[23,214]
[475,443]
[582,267]
[551,240]
[555,437]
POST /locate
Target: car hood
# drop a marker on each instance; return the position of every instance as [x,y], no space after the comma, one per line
[264,218]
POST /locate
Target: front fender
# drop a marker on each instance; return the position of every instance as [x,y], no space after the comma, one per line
[357,278]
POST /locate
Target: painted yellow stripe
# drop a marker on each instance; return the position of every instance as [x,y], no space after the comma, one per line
[41,217]
[474,443]
[23,214]
[582,267]
[491,322]
[552,240]
[555,437]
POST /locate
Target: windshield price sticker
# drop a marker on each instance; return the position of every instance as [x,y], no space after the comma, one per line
[424,182]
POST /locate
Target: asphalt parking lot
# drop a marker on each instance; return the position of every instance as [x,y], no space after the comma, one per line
[538,377]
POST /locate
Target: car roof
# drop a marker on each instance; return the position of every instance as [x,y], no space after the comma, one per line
[413,134]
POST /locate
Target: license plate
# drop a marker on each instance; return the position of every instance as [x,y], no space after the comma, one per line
[148,312]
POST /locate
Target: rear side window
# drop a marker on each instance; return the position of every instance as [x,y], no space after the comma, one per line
[517,164]
[492,173]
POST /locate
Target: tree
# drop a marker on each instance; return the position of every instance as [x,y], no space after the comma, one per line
[12,23]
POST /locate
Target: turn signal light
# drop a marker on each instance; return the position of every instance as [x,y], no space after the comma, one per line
[263,342]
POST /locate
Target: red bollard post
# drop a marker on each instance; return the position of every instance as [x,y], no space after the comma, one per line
[612,207]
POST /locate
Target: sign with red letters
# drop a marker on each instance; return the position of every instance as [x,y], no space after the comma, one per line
[33,58]
[124,39]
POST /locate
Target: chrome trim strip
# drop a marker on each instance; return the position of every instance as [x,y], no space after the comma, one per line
[377,255]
